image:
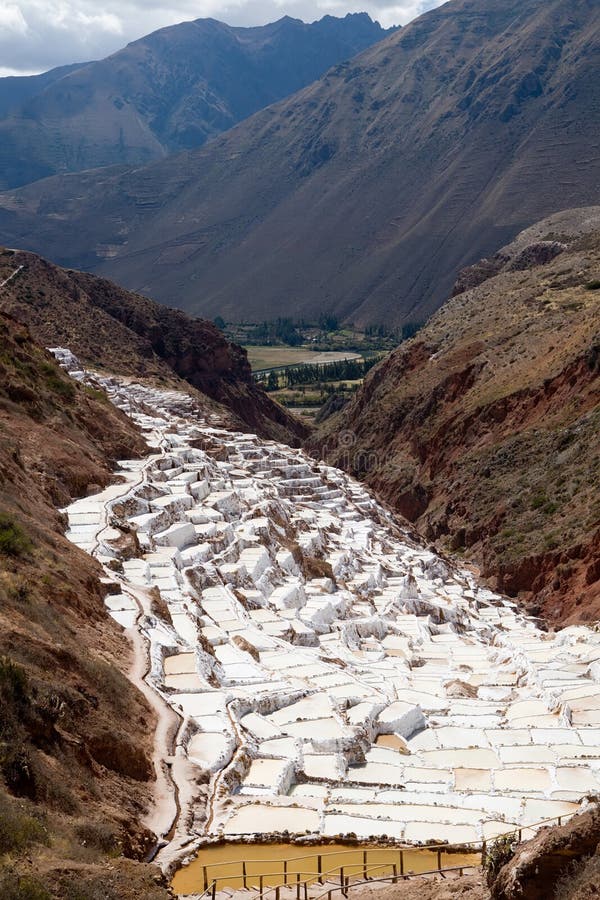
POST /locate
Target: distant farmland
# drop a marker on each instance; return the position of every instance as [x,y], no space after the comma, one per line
[265,357]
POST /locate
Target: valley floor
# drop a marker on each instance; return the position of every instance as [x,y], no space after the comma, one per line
[330,676]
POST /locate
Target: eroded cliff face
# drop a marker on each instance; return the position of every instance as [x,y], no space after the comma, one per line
[560,862]
[484,429]
[130,334]
[76,773]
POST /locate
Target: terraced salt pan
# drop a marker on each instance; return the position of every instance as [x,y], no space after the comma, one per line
[272,819]
[206,749]
[391,695]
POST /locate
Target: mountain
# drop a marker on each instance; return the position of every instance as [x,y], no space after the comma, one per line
[76,771]
[16,90]
[115,329]
[171,90]
[363,194]
[483,429]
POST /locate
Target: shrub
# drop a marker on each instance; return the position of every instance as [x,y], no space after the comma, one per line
[18,829]
[593,285]
[497,855]
[538,500]
[62,387]
[21,887]
[16,588]
[13,684]
[578,879]
[99,836]
[15,763]
[13,539]
[96,394]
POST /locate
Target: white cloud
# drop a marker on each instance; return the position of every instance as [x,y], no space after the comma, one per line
[12,20]
[36,35]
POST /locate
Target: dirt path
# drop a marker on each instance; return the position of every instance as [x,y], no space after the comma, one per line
[163,816]
[452,887]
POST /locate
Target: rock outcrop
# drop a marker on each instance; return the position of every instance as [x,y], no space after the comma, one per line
[555,855]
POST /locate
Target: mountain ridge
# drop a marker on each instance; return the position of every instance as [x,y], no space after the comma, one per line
[170,90]
[367,191]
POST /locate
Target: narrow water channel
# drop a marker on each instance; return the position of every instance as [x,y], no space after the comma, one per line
[277,863]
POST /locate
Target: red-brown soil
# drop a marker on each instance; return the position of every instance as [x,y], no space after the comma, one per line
[75,735]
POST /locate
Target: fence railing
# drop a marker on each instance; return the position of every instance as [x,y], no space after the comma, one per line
[343,888]
[321,872]
[362,870]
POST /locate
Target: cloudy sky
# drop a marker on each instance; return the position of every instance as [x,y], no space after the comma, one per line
[36,35]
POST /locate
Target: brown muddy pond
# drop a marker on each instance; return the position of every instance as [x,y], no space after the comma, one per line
[392,742]
[278,863]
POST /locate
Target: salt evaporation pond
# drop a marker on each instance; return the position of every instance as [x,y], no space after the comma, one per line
[332,676]
[275,862]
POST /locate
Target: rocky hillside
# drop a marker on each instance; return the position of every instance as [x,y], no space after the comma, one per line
[561,862]
[366,192]
[171,90]
[76,773]
[484,429]
[112,328]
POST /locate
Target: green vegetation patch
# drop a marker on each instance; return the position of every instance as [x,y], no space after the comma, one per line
[335,372]
[18,829]
[14,709]
[21,887]
[13,539]
[496,856]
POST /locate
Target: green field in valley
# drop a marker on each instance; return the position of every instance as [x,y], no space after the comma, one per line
[265,357]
